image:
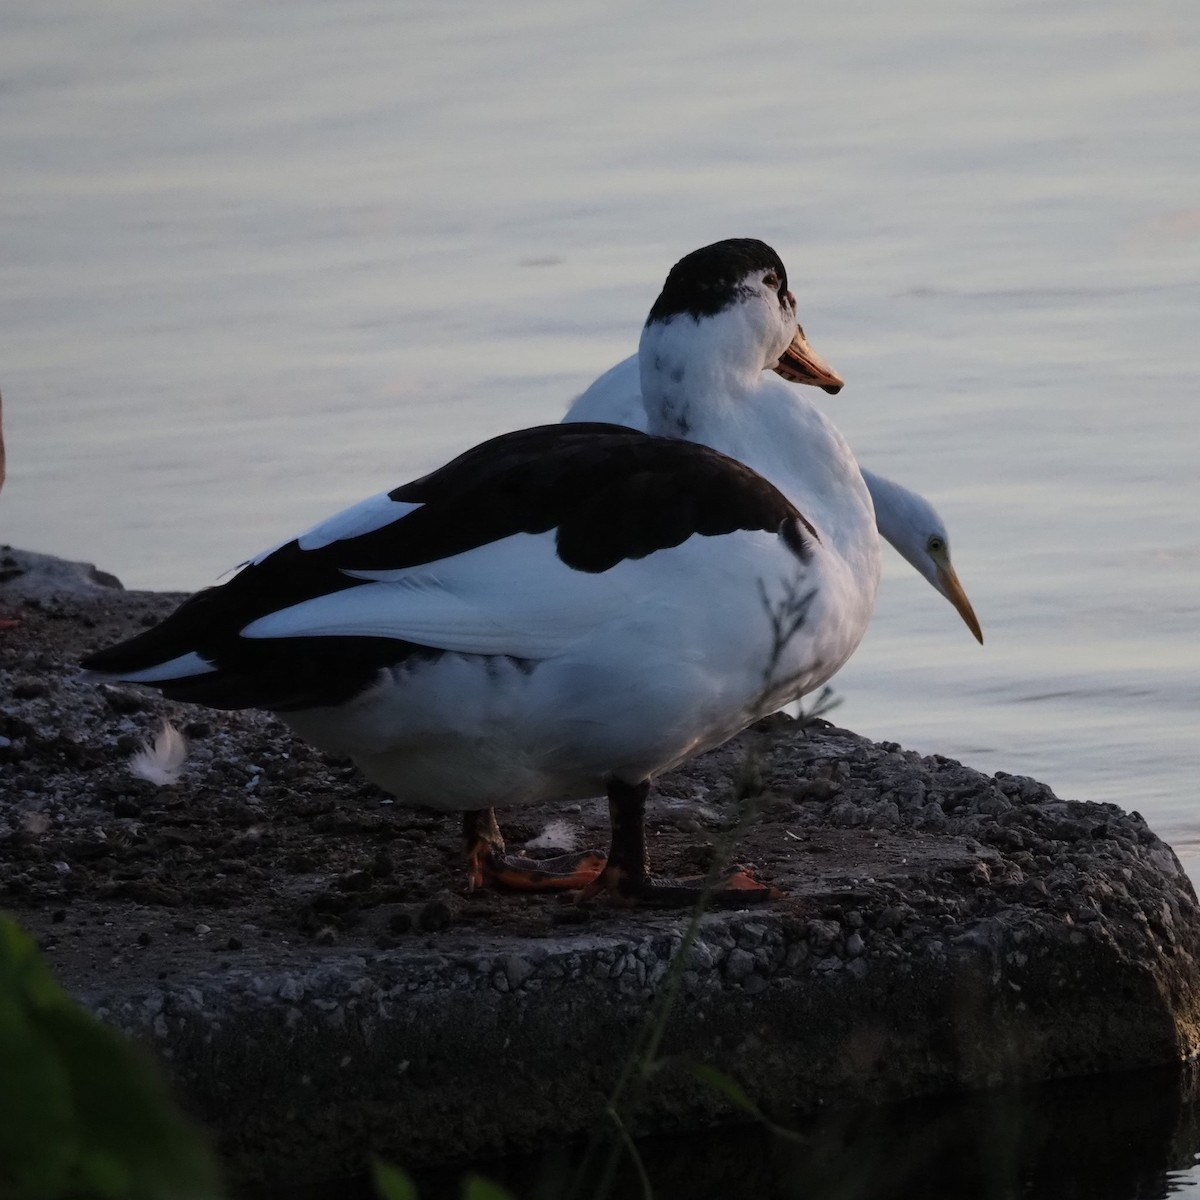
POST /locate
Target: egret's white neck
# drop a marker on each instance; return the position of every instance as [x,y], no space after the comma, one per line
[894,507]
[906,520]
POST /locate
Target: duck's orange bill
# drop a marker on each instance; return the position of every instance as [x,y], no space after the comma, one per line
[800,363]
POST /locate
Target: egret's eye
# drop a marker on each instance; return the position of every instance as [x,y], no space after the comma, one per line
[771,280]
[937,545]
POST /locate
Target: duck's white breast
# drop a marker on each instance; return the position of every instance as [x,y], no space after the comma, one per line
[619,674]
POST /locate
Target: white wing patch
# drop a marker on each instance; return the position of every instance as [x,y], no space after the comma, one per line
[183,667]
[364,517]
[513,596]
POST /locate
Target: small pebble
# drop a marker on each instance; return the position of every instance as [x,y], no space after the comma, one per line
[435,916]
[123,701]
[400,921]
[890,917]
[570,914]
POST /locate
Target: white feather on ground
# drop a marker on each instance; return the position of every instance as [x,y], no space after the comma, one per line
[557,835]
[161,758]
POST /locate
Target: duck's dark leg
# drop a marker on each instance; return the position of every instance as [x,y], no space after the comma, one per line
[487,861]
[627,878]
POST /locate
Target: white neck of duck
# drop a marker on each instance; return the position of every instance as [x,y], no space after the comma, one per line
[708,385]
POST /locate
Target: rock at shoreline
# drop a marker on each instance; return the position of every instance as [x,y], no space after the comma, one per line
[26,576]
[297,948]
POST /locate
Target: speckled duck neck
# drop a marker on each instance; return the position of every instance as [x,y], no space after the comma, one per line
[695,371]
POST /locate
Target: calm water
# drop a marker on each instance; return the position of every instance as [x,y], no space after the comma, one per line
[1124,1137]
[258,260]
[1132,1136]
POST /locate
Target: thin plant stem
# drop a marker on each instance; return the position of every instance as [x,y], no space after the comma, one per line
[632,1150]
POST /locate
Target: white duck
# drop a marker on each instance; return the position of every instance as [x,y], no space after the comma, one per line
[905,519]
[571,608]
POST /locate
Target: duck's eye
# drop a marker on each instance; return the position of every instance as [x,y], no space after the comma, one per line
[771,280]
[937,545]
